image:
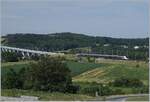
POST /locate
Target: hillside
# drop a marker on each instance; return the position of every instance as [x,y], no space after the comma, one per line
[65,41]
[113,70]
[104,71]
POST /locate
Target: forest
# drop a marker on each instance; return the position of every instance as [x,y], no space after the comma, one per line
[67,40]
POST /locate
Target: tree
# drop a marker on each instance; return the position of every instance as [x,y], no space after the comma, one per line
[13,79]
[10,56]
[48,74]
[127,82]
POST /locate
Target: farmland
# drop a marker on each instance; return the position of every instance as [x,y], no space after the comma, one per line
[115,69]
[84,74]
[104,71]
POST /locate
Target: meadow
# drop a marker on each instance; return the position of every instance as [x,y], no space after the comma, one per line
[84,73]
[45,96]
[115,69]
[104,71]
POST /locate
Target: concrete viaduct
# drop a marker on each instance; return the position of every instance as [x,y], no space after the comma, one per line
[26,52]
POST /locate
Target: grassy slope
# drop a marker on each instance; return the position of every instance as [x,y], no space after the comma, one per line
[75,67]
[15,65]
[45,96]
[78,68]
[105,71]
[115,70]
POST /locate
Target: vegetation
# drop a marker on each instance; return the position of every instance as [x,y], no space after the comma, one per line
[48,74]
[138,98]
[46,96]
[66,40]
[80,67]
[114,70]
[104,89]
[101,73]
[50,78]
[10,57]
[127,82]
[13,79]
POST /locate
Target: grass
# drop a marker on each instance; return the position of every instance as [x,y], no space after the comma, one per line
[46,96]
[78,68]
[138,98]
[5,67]
[115,70]
[104,71]
[75,67]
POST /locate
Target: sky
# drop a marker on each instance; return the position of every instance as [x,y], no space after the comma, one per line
[110,18]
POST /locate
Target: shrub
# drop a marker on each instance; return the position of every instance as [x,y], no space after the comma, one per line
[10,56]
[91,89]
[137,66]
[127,82]
[13,79]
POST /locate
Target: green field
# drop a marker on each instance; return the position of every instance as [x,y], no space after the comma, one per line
[46,96]
[115,69]
[104,71]
[15,65]
[75,67]
[138,98]
[78,68]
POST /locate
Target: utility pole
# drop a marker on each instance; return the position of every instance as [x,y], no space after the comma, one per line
[135,56]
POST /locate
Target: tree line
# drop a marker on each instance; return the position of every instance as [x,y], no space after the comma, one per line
[67,40]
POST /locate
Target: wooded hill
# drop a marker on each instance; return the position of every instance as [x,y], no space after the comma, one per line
[67,40]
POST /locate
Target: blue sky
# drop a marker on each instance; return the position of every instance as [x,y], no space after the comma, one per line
[113,18]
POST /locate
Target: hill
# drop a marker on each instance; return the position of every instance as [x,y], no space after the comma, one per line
[67,40]
[115,69]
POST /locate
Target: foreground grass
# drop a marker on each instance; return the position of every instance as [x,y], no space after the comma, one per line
[138,98]
[46,96]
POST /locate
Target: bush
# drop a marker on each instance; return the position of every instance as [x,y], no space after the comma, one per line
[117,91]
[127,82]
[91,89]
[10,57]
[13,79]
[137,66]
[72,88]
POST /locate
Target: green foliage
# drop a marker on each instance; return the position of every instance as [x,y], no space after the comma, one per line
[46,96]
[127,82]
[67,40]
[10,57]
[137,65]
[99,88]
[13,79]
[48,74]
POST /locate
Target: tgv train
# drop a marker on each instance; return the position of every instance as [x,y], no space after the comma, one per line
[102,56]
